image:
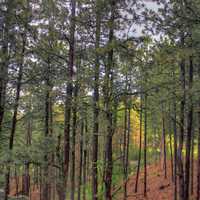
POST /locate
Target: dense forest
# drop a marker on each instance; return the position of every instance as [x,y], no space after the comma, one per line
[99,99]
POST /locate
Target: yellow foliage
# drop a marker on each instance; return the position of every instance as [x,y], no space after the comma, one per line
[59,113]
[135,127]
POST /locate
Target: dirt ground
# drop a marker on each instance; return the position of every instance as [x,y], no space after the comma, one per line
[159,187]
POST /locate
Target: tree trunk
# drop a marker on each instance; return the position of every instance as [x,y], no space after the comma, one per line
[181,135]
[46,184]
[140,146]
[189,132]
[145,145]
[5,60]
[192,167]
[175,148]
[26,176]
[124,148]
[96,106]
[198,157]
[171,154]
[127,152]
[84,174]
[14,117]
[68,100]
[108,108]
[164,142]
[73,147]
[81,161]
[85,152]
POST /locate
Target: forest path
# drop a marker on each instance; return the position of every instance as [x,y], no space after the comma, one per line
[159,187]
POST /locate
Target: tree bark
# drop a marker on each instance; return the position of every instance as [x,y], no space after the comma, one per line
[81,161]
[26,176]
[46,189]
[198,158]
[192,166]
[189,132]
[14,117]
[182,130]
[108,108]
[5,61]
[96,105]
[127,152]
[124,148]
[140,146]
[84,174]
[68,100]
[164,142]
[73,147]
[175,148]
[145,145]
[85,163]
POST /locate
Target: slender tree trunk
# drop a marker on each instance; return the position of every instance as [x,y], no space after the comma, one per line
[40,178]
[14,117]
[52,156]
[68,101]
[124,148]
[175,148]
[96,106]
[84,173]
[3,83]
[59,186]
[16,182]
[170,129]
[198,158]
[5,60]
[46,184]
[108,108]
[85,152]
[145,145]
[80,162]
[164,142]
[26,180]
[140,146]
[73,148]
[192,167]
[171,152]
[109,164]
[26,176]
[127,152]
[189,133]
[182,130]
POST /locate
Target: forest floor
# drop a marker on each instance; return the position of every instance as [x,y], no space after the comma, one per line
[159,187]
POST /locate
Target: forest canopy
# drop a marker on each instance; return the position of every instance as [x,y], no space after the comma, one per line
[99,99]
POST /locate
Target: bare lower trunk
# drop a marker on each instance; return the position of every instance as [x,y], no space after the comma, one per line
[175,149]
[80,162]
[192,167]
[164,143]
[189,133]
[145,146]
[127,153]
[124,149]
[73,147]
[140,147]
[198,165]
[96,106]
[109,110]
[181,136]
[14,117]
[68,101]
